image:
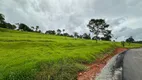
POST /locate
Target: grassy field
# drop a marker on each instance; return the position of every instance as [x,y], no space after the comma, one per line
[34,56]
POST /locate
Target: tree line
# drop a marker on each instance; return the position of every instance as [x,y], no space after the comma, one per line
[21,26]
[4,24]
[96,27]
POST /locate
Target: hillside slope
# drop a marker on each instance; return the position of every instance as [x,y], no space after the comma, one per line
[34,56]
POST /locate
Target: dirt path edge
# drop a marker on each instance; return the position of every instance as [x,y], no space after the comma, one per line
[96,67]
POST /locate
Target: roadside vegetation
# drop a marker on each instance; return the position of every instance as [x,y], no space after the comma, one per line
[35,56]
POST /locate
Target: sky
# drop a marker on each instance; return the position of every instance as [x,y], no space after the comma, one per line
[124,16]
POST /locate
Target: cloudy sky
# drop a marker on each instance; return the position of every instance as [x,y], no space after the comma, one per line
[124,16]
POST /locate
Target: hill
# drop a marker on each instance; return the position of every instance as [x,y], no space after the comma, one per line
[35,56]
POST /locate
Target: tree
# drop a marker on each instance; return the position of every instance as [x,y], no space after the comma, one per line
[59,32]
[75,34]
[71,36]
[3,24]
[98,26]
[52,32]
[130,40]
[37,27]
[2,18]
[39,31]
[107,35]
[33,28]
[2,21]
[86,36]
[80,36]
[10,26]
[13,26]
[63,31]
[24,27]
[66,34]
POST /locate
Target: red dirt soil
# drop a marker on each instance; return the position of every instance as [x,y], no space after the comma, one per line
[97,66]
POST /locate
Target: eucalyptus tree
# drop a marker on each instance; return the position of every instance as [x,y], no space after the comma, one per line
[99,26]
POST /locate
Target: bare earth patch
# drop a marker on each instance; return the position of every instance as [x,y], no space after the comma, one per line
[97,66]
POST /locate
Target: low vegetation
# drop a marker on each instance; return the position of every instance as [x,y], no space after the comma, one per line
[36,56]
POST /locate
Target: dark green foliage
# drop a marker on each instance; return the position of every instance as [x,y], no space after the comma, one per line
[123,43]
[20,75]
[24,27]
[86,36]
[63,31]
[107,35]
[3,24]
[130,40]
[52,32]
[76,35]
[70,35]
[66,34]
[138,42]
[39,31]
[2,18]
[96,38]
[2,21]
[10,26]
[59,32]
[37,27]
[98,26]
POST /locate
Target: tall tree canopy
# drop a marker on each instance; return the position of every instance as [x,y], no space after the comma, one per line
[75,34]
[10,26]
[130,39]
[99,26]
[2,18]
[66,34]
[37,27]
[86,36]
[2,21]
[4,24]
[59,32]
[24,27]
[63,31]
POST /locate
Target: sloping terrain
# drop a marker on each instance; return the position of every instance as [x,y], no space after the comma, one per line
[34,56]
[96,67]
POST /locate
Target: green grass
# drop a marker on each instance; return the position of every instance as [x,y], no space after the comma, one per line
[34,56]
